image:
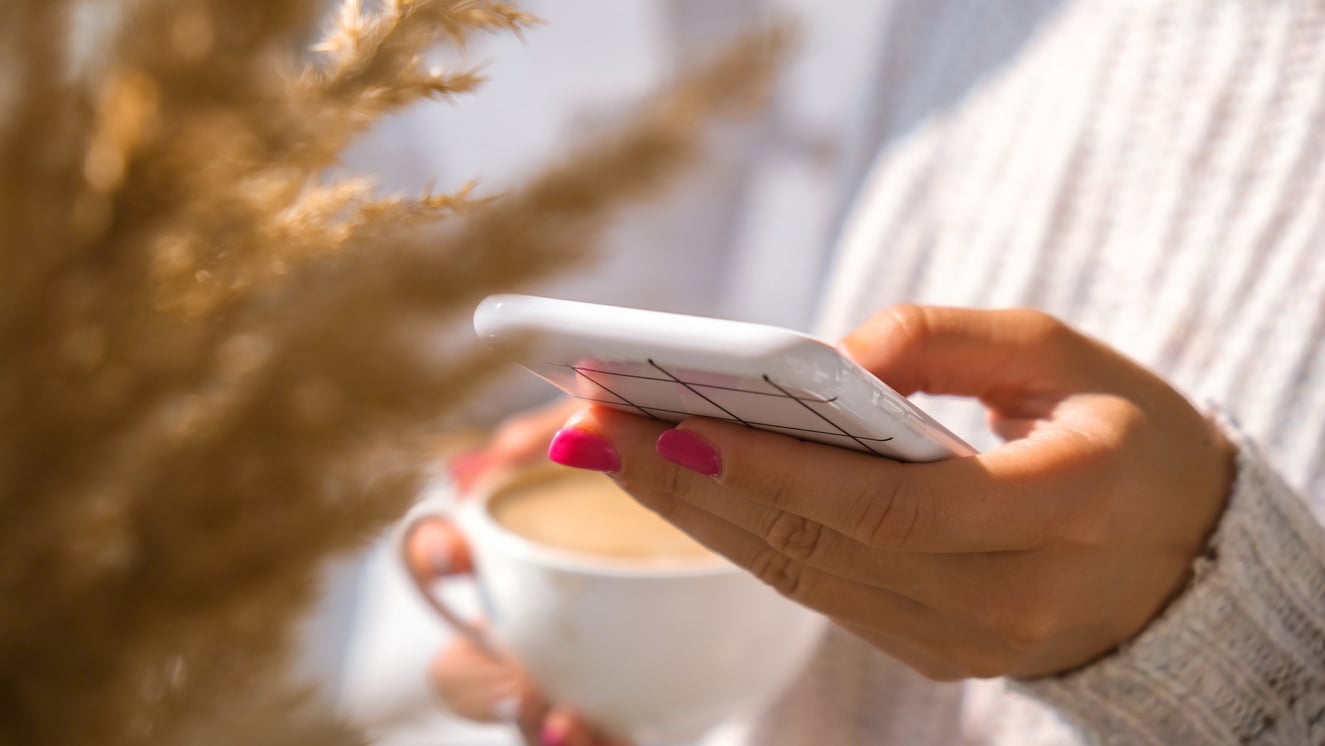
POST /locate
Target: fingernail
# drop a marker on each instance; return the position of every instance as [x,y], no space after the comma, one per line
[583,450]
[553,734]
[687,449]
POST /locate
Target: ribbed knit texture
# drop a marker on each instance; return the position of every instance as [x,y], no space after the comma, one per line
[1152,171]
[1240,658]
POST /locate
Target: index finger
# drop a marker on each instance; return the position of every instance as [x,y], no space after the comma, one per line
[1008,499]
[957,505]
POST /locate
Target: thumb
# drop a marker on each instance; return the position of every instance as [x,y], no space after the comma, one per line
[1004,357]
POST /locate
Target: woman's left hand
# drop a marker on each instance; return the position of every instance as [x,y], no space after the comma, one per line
[1034,558]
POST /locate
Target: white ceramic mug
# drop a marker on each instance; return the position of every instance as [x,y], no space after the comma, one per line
[659,654]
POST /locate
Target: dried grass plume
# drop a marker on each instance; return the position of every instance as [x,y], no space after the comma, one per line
[212,376]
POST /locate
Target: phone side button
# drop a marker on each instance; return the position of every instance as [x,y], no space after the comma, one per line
[896,409]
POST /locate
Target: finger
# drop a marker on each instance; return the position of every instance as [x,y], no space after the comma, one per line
[1000,501]
[940,645]
[793,542]
[434,547]
[1004,357]
[1016,497]
[478,687]
[525,436]
[517,440]
[659,486]
[466,468]
[798,538]
[936,580]
[827,593]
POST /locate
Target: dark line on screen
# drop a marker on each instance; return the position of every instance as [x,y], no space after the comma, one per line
[694,391]
[821,416]
[701,385]
[604,387]
[758,425]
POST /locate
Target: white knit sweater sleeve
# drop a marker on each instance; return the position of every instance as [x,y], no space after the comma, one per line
[1239,657]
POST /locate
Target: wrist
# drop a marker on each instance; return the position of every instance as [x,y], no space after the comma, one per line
[1241,631]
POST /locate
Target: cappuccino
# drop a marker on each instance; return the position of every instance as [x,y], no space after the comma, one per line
[585,512]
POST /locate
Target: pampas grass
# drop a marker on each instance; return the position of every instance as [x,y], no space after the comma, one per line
[214,373]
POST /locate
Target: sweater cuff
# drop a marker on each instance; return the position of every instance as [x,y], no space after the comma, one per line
[1239,657]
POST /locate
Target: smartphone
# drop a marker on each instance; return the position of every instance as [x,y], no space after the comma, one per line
[670,366]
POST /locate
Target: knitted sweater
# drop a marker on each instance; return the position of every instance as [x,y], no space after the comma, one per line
[1153,172]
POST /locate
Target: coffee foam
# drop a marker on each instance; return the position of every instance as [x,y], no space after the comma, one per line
[587,513]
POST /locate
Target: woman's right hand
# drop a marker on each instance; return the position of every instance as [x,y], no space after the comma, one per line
[469,681]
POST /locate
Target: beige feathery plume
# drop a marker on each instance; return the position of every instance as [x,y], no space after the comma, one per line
[212,375]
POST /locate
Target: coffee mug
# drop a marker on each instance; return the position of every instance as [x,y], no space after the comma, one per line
[657,649]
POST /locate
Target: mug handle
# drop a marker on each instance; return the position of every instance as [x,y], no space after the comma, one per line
[422,582]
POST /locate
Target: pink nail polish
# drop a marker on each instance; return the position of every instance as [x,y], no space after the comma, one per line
[687,449]
[583,450]
[551,735]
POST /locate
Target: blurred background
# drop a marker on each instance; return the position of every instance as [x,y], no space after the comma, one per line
[737,237]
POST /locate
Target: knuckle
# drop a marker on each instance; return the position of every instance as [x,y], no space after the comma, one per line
[782,489]
[673,482]
[1048,333]
[1081,518]
[910,320]
[1025,627]
[1080,523]
[894,517]
[910,325]
[783,574]
[663,493]
[1040,325]
[794,536]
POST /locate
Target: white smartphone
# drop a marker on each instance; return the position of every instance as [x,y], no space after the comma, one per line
[670,366]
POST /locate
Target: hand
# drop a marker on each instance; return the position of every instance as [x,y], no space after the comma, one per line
[1034,558]
[469,681]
